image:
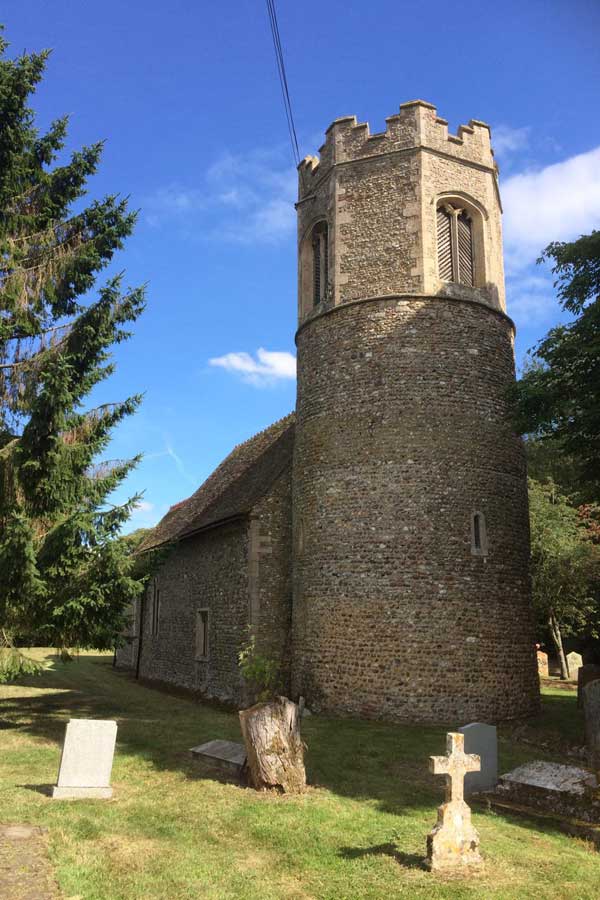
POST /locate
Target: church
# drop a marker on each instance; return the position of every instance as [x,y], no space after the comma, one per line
[376,541]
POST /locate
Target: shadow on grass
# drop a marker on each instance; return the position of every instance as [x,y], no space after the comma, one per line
[559,725]
[45,789]
[407,860]
[352,758]
[361,760]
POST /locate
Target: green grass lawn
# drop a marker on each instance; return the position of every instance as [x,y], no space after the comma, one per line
[172,831]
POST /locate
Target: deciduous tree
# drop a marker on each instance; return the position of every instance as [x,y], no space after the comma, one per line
[564,565]
[558,398]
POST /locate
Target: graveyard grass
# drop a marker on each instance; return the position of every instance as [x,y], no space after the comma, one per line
[173,831]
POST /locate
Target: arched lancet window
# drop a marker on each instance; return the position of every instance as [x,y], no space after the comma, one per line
[455,244]
[320,262]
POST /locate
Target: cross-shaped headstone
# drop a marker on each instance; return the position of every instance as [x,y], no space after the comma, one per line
[454,843]
[455,766]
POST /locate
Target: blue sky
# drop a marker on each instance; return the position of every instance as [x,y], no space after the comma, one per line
[186,96]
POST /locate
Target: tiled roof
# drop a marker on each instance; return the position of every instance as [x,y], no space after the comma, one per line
[233,488]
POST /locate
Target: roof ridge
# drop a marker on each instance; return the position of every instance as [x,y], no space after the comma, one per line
[230,470]
[290,415]
[238,479]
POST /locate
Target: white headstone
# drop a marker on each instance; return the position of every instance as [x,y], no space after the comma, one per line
[482,740]
[86,759]
[574,662]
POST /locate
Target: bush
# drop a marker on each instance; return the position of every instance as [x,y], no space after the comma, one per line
[260,672]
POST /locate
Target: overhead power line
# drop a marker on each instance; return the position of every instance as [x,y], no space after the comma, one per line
[287,103]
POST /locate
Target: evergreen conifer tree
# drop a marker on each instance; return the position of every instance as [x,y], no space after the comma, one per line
[65,578]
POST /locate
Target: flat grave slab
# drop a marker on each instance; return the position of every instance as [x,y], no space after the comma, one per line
[564,791]
[226,756]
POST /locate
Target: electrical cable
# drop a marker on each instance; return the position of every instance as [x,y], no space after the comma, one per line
[287,103]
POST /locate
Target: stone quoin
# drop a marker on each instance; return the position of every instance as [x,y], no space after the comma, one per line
[377,541]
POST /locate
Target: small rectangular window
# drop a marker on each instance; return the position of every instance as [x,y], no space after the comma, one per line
[202,634]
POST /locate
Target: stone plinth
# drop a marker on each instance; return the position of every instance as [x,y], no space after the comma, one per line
[565,791]
[454,842]
[482,740]
[86,760]
[226,756]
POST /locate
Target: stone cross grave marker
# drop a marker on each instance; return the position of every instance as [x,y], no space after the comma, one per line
[591,711]
[482,740]
[454,842]
[86,760]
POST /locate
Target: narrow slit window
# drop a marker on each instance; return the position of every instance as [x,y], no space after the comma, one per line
[478,535]
[202,634]
[155,610]
[476,532]
[455,245]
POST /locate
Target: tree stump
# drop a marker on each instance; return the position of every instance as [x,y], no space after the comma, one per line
[274,748]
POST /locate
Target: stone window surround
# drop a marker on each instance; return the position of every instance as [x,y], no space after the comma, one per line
[478,216]
[320,227]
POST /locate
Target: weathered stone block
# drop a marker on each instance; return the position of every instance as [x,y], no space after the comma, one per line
[591,711]
[588,672]
[566,791]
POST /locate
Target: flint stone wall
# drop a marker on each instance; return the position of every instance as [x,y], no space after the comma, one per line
[241,573]
[401,435]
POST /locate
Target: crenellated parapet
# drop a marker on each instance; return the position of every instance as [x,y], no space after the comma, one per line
[368,205]
[416,125]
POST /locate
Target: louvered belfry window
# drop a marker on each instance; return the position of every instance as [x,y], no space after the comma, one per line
[455,245]
[320,262]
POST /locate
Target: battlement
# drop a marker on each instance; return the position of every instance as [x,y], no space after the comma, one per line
[416,125]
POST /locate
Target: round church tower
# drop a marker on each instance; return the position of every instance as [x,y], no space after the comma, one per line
[411,541]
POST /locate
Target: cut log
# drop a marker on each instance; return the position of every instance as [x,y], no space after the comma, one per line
[274,748]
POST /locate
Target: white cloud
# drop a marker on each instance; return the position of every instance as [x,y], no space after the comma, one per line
[507,140]
[559,202]
[269,366]
[243,198]
[144,515]
[531,300]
